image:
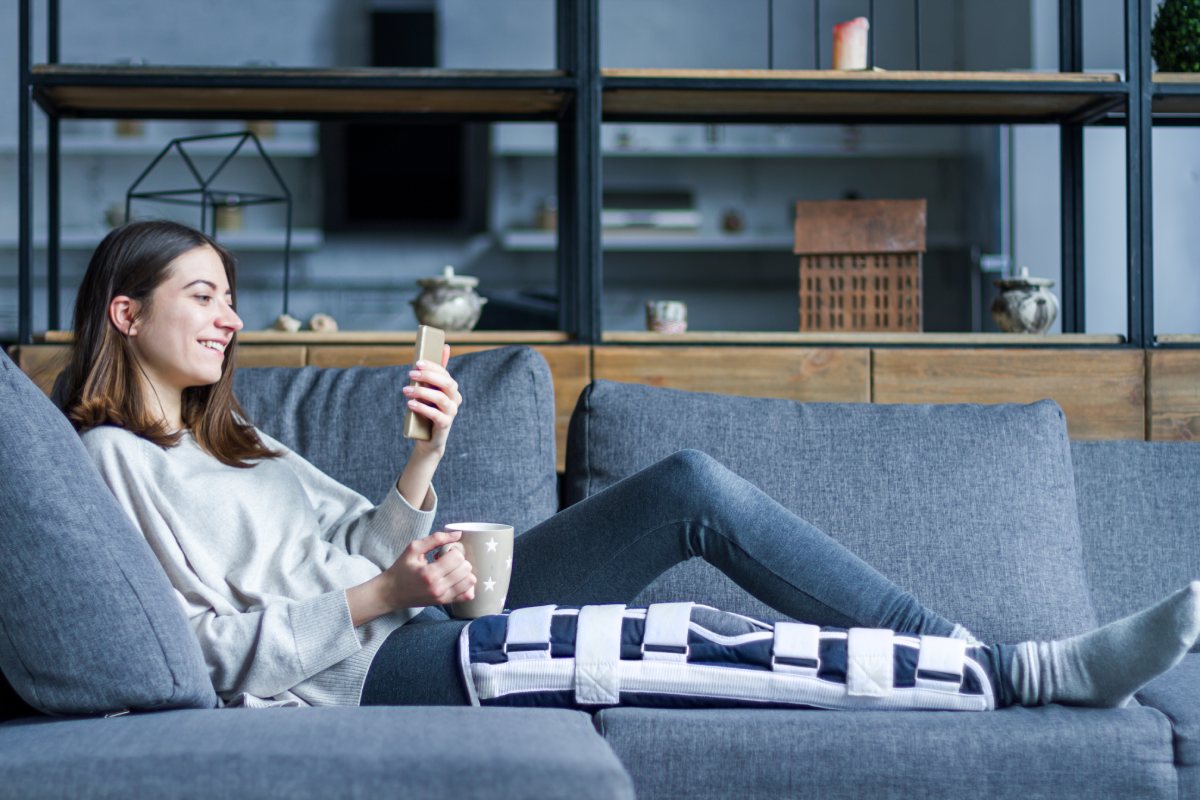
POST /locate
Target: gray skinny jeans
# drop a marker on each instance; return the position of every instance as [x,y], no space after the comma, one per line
[611,546]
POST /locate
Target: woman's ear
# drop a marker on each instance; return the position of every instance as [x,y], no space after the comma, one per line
[122,313]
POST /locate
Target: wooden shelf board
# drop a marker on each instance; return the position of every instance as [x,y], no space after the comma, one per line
[1033,96]
[538,241]
[1177,78]
[303,239]
[1178,338]
[166,92]
[1176,93]
[877,76]
[864,339]
[367,337]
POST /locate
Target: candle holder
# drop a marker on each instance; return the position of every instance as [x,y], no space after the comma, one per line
[850,44]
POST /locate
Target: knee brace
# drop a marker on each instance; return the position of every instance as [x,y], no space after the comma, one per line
[597,656]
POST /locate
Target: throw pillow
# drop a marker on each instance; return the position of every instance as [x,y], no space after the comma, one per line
[969,507]
[88,621]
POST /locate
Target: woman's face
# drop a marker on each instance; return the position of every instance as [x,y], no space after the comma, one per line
[180,339]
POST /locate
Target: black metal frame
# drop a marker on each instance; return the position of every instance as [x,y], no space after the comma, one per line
[580,264]
[1139,121]
[1070,59]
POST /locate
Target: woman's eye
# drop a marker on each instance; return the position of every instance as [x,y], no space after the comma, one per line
[204,297]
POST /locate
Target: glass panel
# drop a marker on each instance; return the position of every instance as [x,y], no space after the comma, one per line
[1176,237]
[517,265]
[1105,255]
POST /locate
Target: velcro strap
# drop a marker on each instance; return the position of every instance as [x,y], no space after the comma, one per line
[598,655]
[869,671]
[940,663]
[666,637]
[797,648]
[528,633]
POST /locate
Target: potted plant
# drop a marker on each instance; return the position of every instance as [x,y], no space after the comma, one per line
[1175,37]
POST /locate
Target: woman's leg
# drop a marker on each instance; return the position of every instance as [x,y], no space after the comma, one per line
[417,665]
[612,545]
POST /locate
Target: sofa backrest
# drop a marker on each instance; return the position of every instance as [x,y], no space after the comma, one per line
[88,621]
[1140,520]
[970,507]
[499,464]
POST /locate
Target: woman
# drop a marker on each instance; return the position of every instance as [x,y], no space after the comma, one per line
[300,589]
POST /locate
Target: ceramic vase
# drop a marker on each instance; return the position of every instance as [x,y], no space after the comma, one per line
[449,301]
[1025,304]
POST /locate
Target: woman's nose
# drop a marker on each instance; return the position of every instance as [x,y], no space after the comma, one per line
[231,320]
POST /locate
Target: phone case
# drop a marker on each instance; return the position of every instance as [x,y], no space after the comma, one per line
[429,348]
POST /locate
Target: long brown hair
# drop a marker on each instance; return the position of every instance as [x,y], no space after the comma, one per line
[104,378]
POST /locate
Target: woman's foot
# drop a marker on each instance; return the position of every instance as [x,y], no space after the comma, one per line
[1106,667]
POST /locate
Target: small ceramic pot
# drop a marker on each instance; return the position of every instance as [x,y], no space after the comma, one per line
[666,316]
[1025,304]
[449,301]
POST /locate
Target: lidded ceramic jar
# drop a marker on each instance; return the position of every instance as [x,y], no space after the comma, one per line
[448,301]
[1025,304]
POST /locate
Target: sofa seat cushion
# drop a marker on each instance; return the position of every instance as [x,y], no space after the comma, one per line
[1138,514]
[1177,695]
[88,621]
[313,753]
[499,464]
[1018,753]
[970,507]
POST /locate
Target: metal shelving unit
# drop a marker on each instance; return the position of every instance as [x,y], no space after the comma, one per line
[567,96]
[578,96]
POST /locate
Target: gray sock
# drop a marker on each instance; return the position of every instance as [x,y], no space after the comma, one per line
[1106,667]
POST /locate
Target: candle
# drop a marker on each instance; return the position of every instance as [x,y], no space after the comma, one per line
[850,44]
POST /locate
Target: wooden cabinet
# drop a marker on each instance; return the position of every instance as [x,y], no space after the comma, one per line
[1173,395]
[1109,393]
[1102,392]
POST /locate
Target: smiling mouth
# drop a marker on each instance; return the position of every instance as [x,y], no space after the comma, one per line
[214,346]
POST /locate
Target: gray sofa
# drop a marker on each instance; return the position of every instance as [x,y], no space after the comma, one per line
[987,513]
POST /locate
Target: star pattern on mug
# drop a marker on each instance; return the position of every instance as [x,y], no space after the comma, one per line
[491,544]
[508,563]
[489,585]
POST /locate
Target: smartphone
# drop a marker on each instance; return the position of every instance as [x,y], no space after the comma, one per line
[429,348]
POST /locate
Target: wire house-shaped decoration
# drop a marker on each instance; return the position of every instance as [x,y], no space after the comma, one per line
[209,198]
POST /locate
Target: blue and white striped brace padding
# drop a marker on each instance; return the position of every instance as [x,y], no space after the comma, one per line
[691,656]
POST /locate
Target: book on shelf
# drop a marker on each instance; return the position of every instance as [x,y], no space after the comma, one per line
[653,210]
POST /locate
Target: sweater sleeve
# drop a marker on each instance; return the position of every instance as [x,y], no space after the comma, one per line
[266,651]
[350,521]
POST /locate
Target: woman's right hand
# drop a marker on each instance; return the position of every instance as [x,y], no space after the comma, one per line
[413,581]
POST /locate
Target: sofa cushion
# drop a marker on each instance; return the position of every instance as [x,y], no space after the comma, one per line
[88,621]
[1138,514]
[499,464]
[313,753]
[970,507]
[1016,753]
[1177,695]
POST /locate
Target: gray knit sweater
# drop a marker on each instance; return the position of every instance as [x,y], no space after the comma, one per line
[260,559]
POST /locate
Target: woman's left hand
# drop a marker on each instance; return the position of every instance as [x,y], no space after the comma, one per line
[437,399]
